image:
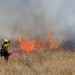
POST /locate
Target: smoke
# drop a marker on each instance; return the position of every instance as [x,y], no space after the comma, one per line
[36,17]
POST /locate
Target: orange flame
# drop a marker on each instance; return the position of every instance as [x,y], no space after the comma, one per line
[41,45]
[29,44]
[52,44]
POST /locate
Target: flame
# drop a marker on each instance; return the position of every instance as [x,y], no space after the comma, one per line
[27,45]
[52,44]
[41,44]
[30,44]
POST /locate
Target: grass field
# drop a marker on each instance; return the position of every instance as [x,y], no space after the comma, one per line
[40,63]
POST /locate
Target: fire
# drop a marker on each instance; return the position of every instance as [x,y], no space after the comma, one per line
[26,45]
[30,44]
[52,44]
[41,44]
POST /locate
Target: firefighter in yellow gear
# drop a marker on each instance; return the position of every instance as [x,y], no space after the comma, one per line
[6,44]
[4,50]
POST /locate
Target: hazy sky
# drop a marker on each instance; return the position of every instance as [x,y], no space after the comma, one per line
[36,17]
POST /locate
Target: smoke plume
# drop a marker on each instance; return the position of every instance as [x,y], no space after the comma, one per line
[37,17]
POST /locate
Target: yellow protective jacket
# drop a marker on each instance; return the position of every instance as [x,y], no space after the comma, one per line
[5,46]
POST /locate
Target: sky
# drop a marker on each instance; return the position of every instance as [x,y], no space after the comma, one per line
[36,17]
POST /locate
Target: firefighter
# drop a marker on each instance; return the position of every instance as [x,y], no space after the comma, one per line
[4,50]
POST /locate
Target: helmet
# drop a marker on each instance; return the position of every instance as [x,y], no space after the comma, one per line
[5,40]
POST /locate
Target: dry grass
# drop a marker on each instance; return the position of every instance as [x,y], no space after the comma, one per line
[40,63]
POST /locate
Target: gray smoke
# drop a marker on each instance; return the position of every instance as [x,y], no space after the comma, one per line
[36,17]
